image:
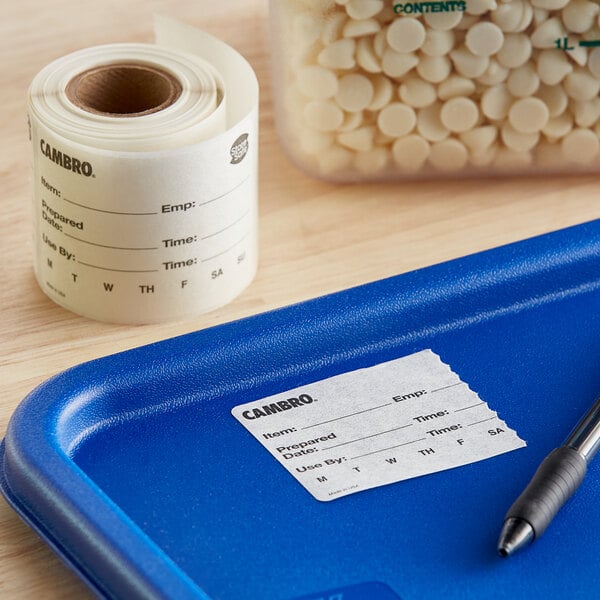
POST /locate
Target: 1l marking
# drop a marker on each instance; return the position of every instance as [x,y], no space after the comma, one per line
[563,44]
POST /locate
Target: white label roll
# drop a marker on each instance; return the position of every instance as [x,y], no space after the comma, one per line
[145,177]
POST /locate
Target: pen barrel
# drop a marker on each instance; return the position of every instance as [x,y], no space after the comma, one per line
[555,481]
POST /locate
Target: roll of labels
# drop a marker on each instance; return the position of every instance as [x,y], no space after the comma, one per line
[145,177]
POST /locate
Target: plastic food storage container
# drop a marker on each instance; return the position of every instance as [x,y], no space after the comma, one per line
[380,89]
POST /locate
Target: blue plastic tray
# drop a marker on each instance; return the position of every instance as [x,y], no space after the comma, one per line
[135,472]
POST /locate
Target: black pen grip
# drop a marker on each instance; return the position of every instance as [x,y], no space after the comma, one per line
[555,481]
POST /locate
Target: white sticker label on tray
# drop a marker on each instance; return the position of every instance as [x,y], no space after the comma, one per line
[379,425]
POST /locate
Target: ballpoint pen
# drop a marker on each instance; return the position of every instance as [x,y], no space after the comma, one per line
[555,481]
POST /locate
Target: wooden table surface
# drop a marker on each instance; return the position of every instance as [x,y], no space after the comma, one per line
[315,237]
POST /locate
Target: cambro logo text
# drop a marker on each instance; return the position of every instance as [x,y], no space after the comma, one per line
[418,8]
[65,161]
[277,407]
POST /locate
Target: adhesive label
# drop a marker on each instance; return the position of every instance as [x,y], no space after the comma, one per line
[375,426]
[142,217]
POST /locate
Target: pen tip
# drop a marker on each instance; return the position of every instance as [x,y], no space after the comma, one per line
[516,533]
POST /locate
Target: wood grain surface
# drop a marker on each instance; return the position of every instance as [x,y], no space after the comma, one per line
[315,237]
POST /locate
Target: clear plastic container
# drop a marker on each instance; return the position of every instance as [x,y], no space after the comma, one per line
[374,89]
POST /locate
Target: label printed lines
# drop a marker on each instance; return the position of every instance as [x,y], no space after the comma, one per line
[206,237]
[227,249]
[360,412]
[366,437]
[482,421]
[117,270]
[110,212]
[390,448]
[447,387]
[468,407]
[226,193]
[107,245]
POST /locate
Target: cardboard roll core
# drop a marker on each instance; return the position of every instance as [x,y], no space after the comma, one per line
[123,90]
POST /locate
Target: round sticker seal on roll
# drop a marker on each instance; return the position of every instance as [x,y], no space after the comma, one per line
[145,177]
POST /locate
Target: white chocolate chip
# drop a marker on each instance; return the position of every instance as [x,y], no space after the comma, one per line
[381,139]
[438,42]
[443,20]
[396,64]
[554,97]
[466,23]
[580,85]
[550,4]
[459,114]
[579,15]
[434,68]
[305,30]
[516,140]
[468,64]
[484,38]
[333,28]
[429,123]
[410,153]
[523,81]
[301,56]
[338,55]
[586,113]
[356,28]
[513,16]
[594,62]
[485,158]
[479,139]
[496,102]
[352,120]
[382,92]
[417,93]
[580,146]
[515,51]
[546,34]
[494,74]
[578,55]
[380,42]
[360,139]
[480,7]
[323,115]
[406,35]
[396,119]
[455,86]
[558,127]
[317,82]
[363,9]
[366,57]
[539,16]
[526,16]
[528,115]
[371,161]
[553,66]
[448,155]
[355,92]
